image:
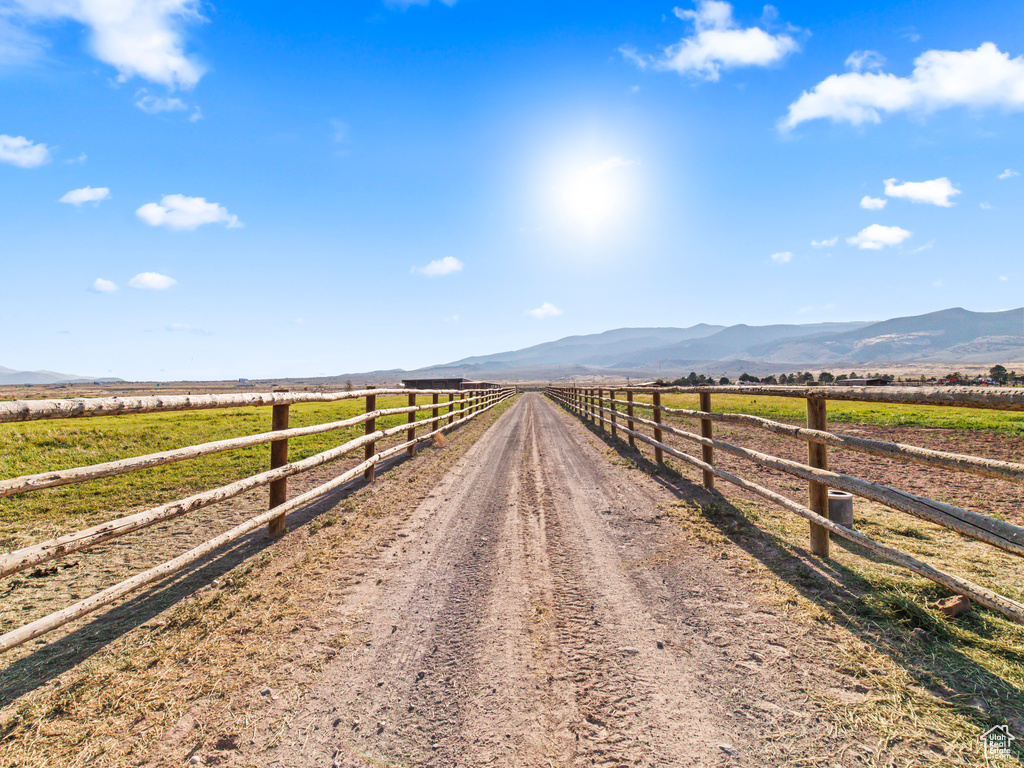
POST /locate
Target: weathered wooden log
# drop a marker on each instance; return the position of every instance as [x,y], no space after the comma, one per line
[12,562]
[817,492]
[629,419]
[278,458]
[707,452]
[958,462]
[995,398]
[659,457]
[998,533]
[18,560]
[992,600]
[34,410]
[81,608]
[56,478]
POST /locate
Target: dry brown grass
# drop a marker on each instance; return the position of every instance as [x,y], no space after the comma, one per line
[931,684]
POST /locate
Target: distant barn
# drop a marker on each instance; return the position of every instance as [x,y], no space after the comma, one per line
[448,384]
[876,382]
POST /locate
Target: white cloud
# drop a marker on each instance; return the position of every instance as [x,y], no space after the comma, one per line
[717,43]
[152,281]
[154,105]
[641,60]
[547,309]
[1004,279]
[935,192]
[86,195]
[985,77]
[877,236]
[936,283]
[927,246]
[825,243]
[138,37]
[180,212]
[440,267]
[872,203]
[985,206]
[858,61]
[103,286]
[783,257]
[452,319]
[1008,174]
[19,151]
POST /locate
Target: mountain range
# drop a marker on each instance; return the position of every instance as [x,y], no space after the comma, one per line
[10,376]
[951,336]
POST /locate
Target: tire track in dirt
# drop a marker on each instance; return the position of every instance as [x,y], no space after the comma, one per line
[514,623]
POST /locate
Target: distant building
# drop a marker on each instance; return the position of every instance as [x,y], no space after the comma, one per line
[448,384]
[879,382]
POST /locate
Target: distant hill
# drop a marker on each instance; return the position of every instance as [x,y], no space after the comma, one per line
[11,376]
[601,349]
[950,336]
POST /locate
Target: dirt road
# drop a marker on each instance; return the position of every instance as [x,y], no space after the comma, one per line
[538,609]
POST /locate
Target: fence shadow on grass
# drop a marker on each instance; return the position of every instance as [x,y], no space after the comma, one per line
[938,661]
[54,658]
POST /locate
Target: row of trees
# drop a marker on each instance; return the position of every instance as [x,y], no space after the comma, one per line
[695,379]
[997,374]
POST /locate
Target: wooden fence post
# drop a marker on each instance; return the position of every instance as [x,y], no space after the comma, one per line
[629,421]
[817,456]
[600,405]
[707,451]
[611,404]
[369,448]
[410,434]
[436,423]
[278,458]
[659,454]
[451,408]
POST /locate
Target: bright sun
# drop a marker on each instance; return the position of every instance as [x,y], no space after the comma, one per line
[593,197]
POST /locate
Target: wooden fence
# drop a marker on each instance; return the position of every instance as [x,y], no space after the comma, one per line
[461,405]
[607,409]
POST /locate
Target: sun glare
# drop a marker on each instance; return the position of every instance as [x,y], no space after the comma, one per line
[594,197]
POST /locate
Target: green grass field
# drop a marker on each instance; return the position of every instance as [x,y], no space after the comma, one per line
[33,447]
[795,409]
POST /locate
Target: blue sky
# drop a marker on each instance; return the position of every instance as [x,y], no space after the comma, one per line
[223,190]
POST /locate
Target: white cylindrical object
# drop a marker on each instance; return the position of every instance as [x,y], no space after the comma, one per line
[840,507]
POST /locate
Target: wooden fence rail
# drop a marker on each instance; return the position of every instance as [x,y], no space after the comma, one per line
[996,532]
[478,401]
